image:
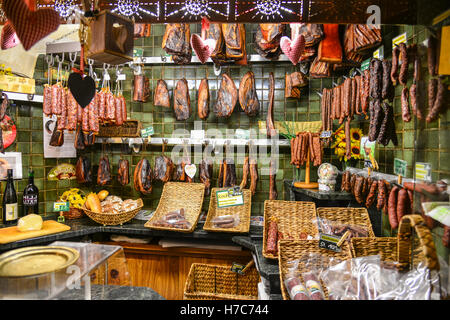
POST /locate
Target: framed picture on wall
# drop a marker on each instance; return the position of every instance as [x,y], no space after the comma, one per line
[11,160]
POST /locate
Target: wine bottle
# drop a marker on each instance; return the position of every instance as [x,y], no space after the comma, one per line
[10,208]
[30,196]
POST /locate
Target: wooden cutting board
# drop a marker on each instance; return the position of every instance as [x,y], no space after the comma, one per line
[12,234]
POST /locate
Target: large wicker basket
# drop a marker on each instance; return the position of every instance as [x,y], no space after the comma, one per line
[289,250]
[293,218]
[244,213]
[107,219]
[212,282]
[344,215]
[406,249]
[177,195]
[73,213]
[129,128]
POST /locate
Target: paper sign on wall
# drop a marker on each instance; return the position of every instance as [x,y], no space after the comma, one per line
[229,198]
[423,171]
[400,167]
[403,38]
[379,53]
[67,150]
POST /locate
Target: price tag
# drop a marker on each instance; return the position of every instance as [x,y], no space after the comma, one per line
[379,53]
[229,198]
[399,39]
[149,131]
[365,64]
[237,267]
[329,242]
[326,134]
[61,206]
[138,52]
[368,164]
[423,171]
[400,167]
[121,76]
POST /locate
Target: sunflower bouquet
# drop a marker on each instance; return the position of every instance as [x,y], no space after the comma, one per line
[340,143]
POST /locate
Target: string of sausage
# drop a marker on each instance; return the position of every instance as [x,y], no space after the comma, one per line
[303,143]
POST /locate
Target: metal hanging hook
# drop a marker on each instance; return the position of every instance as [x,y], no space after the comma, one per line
[73,58]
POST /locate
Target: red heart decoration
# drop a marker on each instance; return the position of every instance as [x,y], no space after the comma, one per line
[293,49]
[203,48]
[30,26]
[9,37]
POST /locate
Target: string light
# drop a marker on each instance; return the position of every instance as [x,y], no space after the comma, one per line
[65,8]
[196,8]
[131,8]
[2,13]
[270,9]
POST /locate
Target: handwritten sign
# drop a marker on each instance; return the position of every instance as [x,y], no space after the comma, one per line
[147,132]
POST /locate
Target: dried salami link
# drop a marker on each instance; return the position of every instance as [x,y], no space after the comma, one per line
[56,99]
[439,103]
[403,76]
[124,108]
[118,111]
[85,119]
[71,112]
[406,114]
[62,118]
[93,115]
[110,107]
[365,96]
[394,69]
[358,110]
[387,91]
[101,105]
[47,100]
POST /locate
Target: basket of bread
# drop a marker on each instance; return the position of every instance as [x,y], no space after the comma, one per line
[110,210]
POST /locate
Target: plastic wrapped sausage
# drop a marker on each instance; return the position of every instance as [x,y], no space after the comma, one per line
[296,289]
[313,286]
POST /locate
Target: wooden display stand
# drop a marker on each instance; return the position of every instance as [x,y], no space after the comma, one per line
[307,184]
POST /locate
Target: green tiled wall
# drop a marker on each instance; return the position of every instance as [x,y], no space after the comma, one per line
[29,123]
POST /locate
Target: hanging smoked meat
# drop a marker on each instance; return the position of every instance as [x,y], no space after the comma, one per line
[123,174]
[104,171]
[206,174]
[203,99]
[176,41]
[164,167]
[143,177]
[293,82]
[57,138]
[267,40]
[227,96]
[83,170]
[270,126]
[273,194]
[141,88]
[79,139]
[245,173]
[234,36]
[182,100]
[330,49]
[214,31]
[161,97]
[227,174]
[313,33]
[247,95]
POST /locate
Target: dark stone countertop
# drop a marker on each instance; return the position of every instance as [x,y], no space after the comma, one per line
[111,292]
[85,227]
[324,195]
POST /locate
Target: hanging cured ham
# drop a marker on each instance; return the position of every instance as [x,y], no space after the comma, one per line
[227,96]
[123,173]
[214,31]
[143,177]
[164,167]
[83,170]
[234,36]
[161,97]
[330,49]
[182,100]
[104,171]
[267,40]
[247,95]
[203,99]
[176,41]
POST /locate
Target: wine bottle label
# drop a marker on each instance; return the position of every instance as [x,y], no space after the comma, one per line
[11,211]
[30,199]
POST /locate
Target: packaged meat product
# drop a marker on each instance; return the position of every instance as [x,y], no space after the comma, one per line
[226,221]
[174,219]
[296,289]
[313,286]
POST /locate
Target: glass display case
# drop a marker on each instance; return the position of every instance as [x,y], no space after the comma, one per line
[88,265]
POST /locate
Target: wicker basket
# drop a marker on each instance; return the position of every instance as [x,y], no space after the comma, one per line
[73,213]
[406,249]
[107,219]
[293,218]
[177,195]
[289,250]
[243,211]
[129,128]
[352,216]
[212,282]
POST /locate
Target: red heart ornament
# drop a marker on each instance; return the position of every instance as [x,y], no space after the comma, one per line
[203,48]
[30,26]
[9,37]
[293,49]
